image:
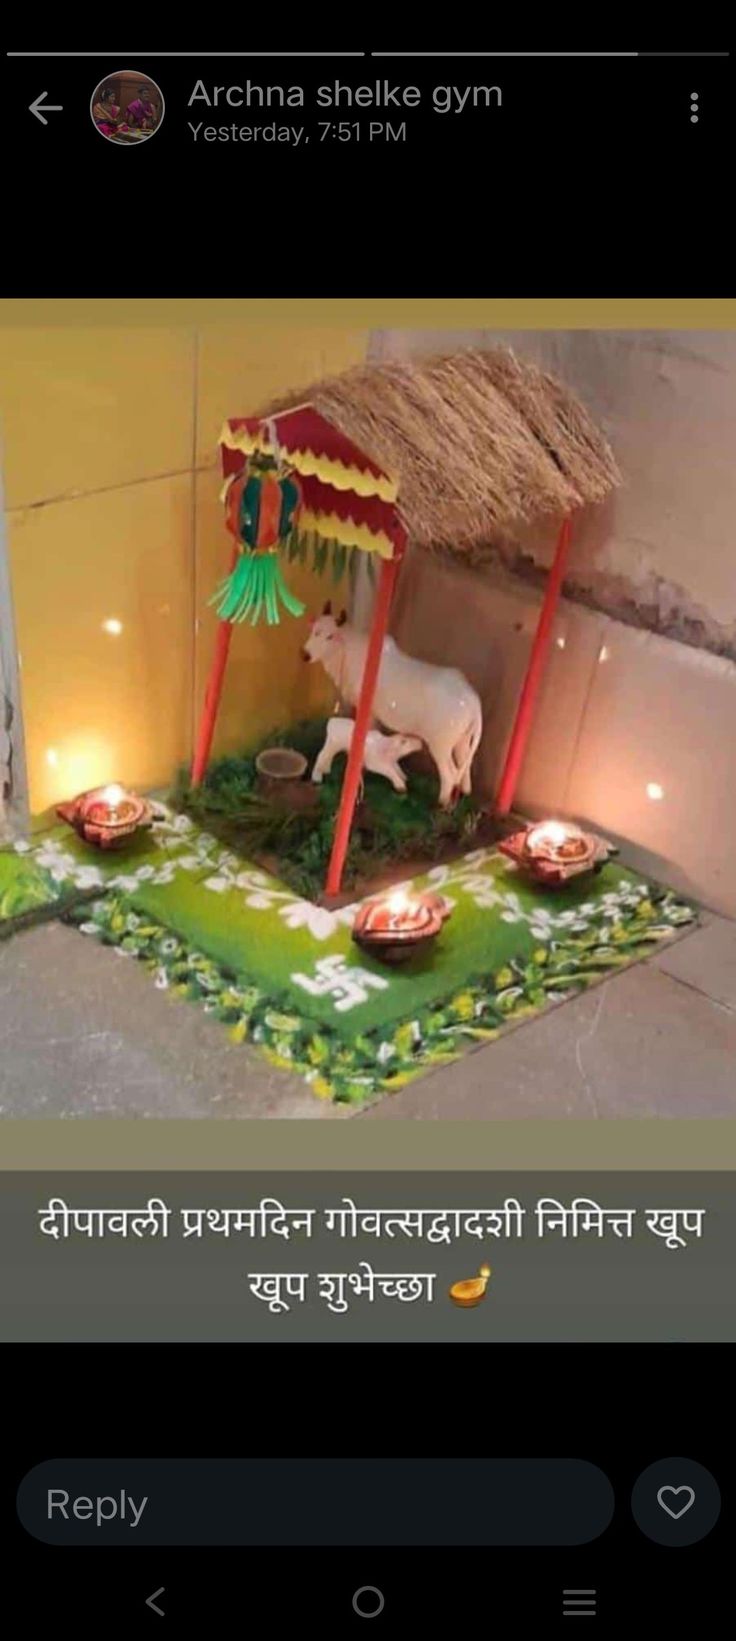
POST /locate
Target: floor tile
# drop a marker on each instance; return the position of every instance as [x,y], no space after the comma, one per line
[86,1034]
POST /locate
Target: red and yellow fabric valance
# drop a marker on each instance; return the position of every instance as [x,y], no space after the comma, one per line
[352,511]
[313,447]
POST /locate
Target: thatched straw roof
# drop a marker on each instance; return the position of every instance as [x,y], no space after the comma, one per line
[479,441]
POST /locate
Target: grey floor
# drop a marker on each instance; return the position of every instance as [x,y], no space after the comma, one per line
[84,1033]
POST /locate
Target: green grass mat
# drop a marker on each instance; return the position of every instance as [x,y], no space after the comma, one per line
[25,888]
[284,973]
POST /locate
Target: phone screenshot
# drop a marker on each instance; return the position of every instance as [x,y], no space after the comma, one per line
[367,879]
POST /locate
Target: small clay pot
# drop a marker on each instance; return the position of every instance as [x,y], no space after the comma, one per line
[280,777]
[281,763]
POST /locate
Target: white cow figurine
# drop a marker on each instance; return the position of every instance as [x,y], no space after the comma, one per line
[381,753]
[415,698]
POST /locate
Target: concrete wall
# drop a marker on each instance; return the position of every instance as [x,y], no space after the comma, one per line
[635,731]
[661,554]
[112,486]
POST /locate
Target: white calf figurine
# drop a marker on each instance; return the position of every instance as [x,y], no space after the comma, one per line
[435,704]
[381,753]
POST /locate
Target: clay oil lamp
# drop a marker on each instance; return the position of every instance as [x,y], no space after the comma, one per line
[107,816]
[395,925]
[554,851]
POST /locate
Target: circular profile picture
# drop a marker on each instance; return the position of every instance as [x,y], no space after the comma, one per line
[127,108]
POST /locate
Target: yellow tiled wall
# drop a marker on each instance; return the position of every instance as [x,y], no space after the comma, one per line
[268,685]
[109,450]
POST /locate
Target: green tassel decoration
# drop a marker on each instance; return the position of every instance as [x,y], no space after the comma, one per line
[256,583]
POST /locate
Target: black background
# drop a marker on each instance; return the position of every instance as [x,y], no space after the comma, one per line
[620,1407]
[591,181]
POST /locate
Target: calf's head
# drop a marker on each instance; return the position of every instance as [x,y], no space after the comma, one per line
[402,745]
[323,634]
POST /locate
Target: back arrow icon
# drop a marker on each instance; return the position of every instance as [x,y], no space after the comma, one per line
[151,1602]
[48,108]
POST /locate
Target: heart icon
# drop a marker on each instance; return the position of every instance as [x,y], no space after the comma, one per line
[675,1493]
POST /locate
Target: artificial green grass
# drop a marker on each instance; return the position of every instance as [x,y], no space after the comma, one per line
[390,827]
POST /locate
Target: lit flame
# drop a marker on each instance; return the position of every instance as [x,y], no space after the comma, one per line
[398,903]
[112,795]
[551,833]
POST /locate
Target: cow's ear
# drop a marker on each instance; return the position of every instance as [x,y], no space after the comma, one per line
[342,618]
[328,607]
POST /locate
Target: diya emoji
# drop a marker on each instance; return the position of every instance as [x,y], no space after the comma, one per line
[107,815]
[470,1292]
[552,851]
[395,925]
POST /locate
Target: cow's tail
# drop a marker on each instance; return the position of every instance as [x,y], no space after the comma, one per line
[464,751]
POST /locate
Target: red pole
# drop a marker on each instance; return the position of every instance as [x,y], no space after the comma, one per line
[349,794]
[213,692]
[527,700]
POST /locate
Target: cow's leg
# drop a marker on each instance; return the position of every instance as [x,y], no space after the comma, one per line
[323,762]
[448,788]
[448,781]
[462,758]
[466,780]
[443,761]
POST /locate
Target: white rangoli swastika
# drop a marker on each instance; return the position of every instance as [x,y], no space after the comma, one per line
[347,986]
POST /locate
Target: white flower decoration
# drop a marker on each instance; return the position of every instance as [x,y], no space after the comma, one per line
[166,875]
[88,877]
[303,914]
[540,929]
[54,860]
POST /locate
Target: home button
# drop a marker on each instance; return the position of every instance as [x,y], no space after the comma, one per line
[368,1602]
